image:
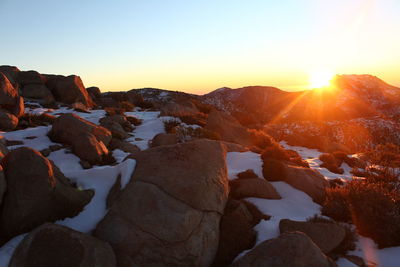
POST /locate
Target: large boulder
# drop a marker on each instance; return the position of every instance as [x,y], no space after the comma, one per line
[254,187]
[123,145]
[88,140]
[169,214]
[293,249]
[69,89]
[3,184]
[8,94]
[53,245]
[164,139]
[7,121]
[11,72]
[327,236]
[94,92]
[37,192]
[228,128]
[38,92]
[236,231]
[117,125]
[304,179]
[30,77]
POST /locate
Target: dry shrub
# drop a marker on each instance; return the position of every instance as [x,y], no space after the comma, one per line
[197,118]
[331,163]
[170,125]
[275,151]
[260,139]
[127,106]
[133,120]
[34,120]
[189,132]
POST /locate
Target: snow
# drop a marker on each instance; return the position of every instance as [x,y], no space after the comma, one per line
[100,179]
[295,205]
[40,142]
[312,157]
[238,162]
[151,125]
[65,161]
[7,250]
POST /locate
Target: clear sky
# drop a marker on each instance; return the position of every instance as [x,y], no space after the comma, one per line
[200,45]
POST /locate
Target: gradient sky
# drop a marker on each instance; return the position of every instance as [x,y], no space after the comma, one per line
[200,45]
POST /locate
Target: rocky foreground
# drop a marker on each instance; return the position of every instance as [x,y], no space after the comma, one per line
[156,178]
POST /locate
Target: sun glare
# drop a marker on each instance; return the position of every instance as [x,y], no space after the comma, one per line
[321,78]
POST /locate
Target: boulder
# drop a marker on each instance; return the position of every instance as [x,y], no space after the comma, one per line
[254,187]
[304,179]
[88,140]
[38,92]
[30,77]
[8,121]
[54,245]
[236,232]
[11,72]
[8,94]
[69,90]
[168,215]
[123,145]
[3,147]
[115,128]
[228,128]
[164,139]
[232,147]
[293,249]
[94,92]
[3,185]
[327,236]
[19,108]
[36,193]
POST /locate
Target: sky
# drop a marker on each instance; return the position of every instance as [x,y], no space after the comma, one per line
[200,45]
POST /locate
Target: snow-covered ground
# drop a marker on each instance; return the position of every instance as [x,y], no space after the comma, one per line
[312,157]
[296,205]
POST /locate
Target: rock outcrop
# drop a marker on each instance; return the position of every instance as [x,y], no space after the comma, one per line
[164,139]
[53,245]
[327,236]
[88,140]
[37,192]
[293,249]
[169,213]
[307,180]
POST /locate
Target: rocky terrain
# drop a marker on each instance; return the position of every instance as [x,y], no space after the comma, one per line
[149,177]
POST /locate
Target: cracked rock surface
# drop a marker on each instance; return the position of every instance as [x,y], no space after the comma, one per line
[169,213]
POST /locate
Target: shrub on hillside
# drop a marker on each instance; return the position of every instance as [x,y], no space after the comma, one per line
[297,159]
[260,139]
[198,118]
[34,120]
[170,125]
[331,163]
[189,132]
[373,207]
[336,204]
[274,170]
[133,120]
[275,151]
[127,106]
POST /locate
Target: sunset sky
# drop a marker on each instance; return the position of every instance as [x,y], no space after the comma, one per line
[198,46]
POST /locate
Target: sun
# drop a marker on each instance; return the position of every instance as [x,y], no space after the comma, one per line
[320,78]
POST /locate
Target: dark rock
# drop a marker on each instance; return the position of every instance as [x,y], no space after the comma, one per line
[88,141]
[85,164]
[356,260]
[123,145]
[8,94]
[255,187]
[39,93]
[11,72]
[94,92]
[14,142]
[45,152]
[69,90]
[170,211]
[304,179]
[228,128]
[3,147]
[293,249]
[236,232]
[247,174]
[8,121]
[53,245]
[327,236]
[163,139]
[19,108]
[36,193]
[30,77]
[55,147]
[3,185]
